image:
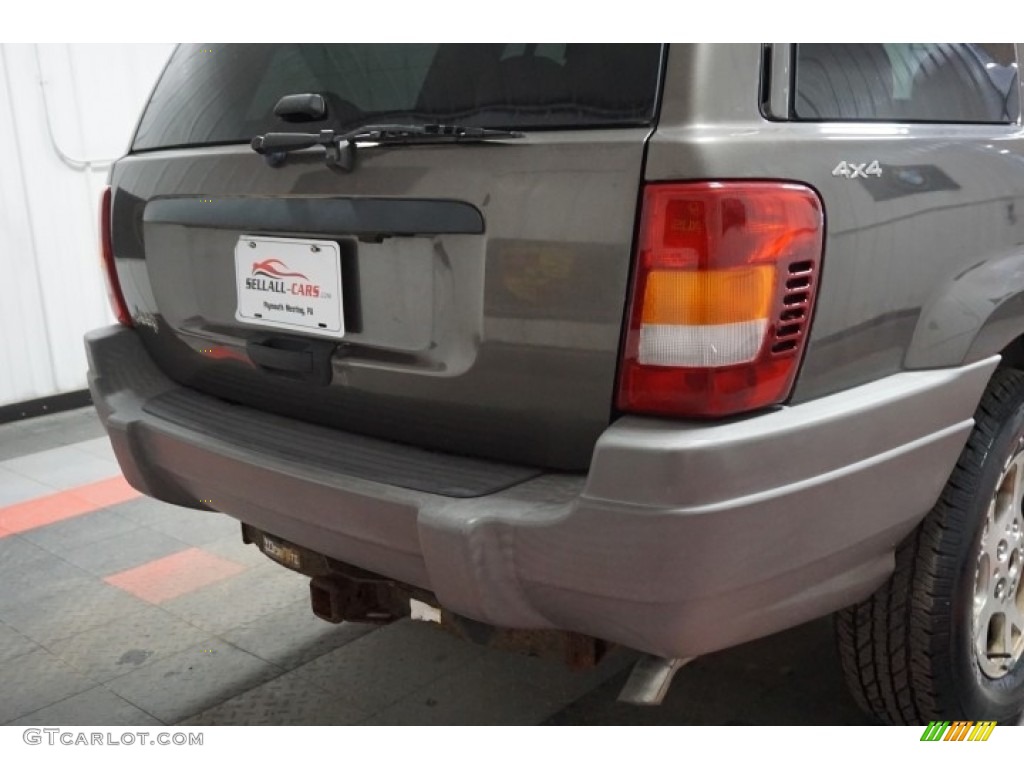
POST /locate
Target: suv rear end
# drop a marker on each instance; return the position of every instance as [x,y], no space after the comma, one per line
[546,378]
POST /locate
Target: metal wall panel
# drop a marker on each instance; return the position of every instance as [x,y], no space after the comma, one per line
[65,112]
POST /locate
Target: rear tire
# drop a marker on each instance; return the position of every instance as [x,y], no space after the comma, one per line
[942,639]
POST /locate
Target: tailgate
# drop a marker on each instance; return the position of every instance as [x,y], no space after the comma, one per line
[460,297]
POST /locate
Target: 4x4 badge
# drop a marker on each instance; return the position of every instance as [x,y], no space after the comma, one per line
[857,170]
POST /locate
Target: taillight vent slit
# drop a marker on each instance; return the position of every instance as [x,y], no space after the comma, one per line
[795,283]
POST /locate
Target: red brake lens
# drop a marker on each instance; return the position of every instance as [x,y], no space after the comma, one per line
[117,302]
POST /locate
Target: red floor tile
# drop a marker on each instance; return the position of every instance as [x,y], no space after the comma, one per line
[174,575]
[36,513]
[107,492]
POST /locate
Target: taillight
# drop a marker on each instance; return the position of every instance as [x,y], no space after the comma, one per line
[117,302]
[726,275]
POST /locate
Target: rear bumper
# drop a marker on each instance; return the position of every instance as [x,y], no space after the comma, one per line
[683,539]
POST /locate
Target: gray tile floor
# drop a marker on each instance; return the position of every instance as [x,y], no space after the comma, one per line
[75,650]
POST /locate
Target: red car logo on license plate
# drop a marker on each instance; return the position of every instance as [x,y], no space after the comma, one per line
[274,268]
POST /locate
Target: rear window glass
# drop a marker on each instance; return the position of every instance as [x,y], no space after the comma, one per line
[907,82]
[214,94]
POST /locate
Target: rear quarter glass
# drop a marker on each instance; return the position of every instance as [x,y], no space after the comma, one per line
[907,82]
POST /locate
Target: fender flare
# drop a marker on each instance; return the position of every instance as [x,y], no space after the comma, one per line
[975,314]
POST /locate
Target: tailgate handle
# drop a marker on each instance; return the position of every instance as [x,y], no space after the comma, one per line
[286,360]
[293,358]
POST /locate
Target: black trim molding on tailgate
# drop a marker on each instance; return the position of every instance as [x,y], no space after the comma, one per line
[320,216]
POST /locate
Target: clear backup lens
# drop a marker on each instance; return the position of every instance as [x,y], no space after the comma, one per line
[701,346]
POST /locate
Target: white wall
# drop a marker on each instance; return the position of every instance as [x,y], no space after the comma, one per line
[65,112]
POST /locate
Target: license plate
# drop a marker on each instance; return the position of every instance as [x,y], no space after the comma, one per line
[289,284]
[281,552]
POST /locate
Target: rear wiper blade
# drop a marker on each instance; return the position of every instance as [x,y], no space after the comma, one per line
[439,132]
[341,146]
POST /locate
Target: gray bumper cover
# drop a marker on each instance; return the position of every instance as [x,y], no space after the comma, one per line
[685,537]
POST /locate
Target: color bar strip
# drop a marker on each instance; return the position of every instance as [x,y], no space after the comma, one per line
[935,730]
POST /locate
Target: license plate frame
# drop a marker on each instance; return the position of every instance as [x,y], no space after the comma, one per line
[292,284]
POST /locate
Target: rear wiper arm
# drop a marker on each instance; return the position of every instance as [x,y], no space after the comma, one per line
[341,146]
[276,146]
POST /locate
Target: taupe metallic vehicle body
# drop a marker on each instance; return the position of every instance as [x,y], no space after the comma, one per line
[463,437]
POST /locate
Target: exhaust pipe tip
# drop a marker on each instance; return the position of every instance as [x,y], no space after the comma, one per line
[650,680]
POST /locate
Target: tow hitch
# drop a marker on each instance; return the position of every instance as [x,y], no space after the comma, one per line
[340,592]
